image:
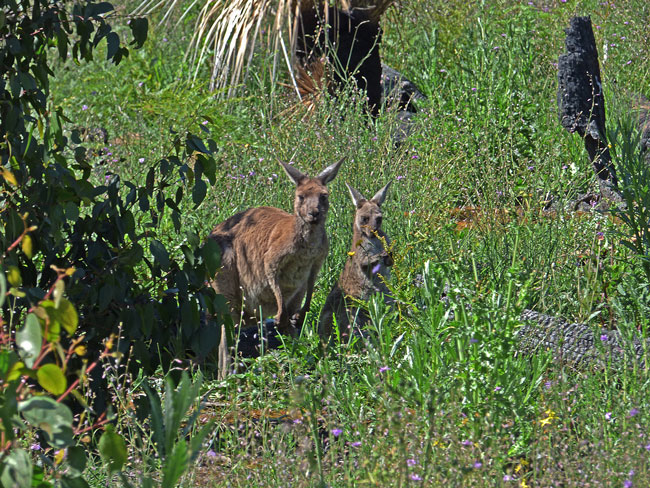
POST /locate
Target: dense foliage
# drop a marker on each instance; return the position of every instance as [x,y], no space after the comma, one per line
[64,234]
[105,178]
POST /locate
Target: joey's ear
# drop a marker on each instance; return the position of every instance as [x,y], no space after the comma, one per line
[380,196]
[329,173]
[357,197]
[293,173]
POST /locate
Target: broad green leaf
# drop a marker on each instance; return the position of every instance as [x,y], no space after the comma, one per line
[175,465]
[199,191]
[17,370]
[47,309]
[55,419]
[13,276]
[112,45]
[68,316]
[76,458]
[29,340]
[7,361]
[196,144]
[9,177]
[212,256]
[17,472]
[160,254]
[3,288]
[73,482]
[139,28]
[51,378]
[112,449]
[27,245]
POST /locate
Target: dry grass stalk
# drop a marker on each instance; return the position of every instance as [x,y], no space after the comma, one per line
[228,31]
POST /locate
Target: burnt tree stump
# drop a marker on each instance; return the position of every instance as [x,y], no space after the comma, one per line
[581,103]
[350,40]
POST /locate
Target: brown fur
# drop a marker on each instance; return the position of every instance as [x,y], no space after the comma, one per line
[270,258]
[370,252]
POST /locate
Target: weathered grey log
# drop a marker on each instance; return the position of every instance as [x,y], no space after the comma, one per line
[396,88]
[580,345]
[581,103]
[399,90]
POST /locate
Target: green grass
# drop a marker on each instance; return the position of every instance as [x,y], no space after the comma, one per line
[439,396]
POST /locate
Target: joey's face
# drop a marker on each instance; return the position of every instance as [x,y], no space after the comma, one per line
[312,202]
[368,218]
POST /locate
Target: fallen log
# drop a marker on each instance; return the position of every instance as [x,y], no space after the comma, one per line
[580,345]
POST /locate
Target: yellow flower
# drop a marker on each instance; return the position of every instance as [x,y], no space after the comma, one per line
[546,421]
[350,253]
[550,416]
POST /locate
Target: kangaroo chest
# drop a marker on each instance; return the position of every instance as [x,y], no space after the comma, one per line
[294,270]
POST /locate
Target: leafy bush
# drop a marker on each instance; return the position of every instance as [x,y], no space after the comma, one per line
[99,239]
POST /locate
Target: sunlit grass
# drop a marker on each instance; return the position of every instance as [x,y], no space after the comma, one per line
[480,200]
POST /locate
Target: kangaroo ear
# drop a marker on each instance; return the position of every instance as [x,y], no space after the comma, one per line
[357,197]
[380,196]
[293,173]
[329,173]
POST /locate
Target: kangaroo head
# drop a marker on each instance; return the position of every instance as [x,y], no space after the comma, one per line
[368,217]
[312,197]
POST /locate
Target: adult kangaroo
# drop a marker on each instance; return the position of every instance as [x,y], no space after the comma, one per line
[270,258]
[365,271]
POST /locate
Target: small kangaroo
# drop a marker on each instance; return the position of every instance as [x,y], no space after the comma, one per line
[270,258]
[365,270]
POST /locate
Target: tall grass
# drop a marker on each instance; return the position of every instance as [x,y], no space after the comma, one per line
[479,213]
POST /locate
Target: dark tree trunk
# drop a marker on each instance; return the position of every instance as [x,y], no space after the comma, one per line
[350,41]
[581,102]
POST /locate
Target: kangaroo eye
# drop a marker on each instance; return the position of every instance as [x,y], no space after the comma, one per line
[323,198]
[364,220]
[301,198]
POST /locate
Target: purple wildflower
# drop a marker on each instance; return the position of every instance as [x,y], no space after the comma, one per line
[355,443]
[627,484]
[478,465]
[383,369]
[141,160]
[603,337]
[337,432]
[608,416]
[411,462]
[415,477]
[84,107]
[634,412]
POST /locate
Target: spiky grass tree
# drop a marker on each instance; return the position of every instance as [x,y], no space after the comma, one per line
[296,32]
